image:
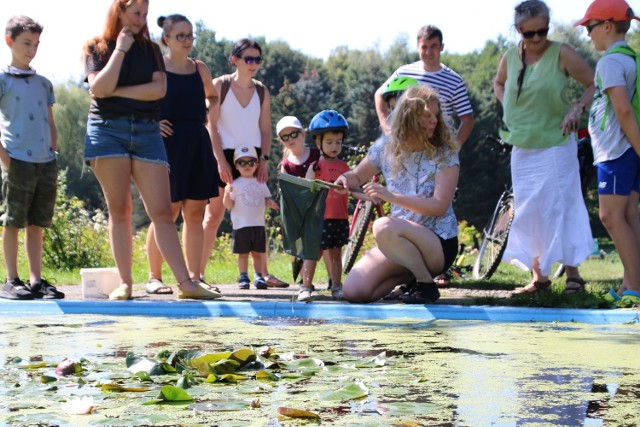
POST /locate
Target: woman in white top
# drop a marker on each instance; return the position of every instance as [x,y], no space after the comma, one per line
[243,117]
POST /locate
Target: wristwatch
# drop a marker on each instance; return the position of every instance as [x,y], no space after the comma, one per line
[264,157]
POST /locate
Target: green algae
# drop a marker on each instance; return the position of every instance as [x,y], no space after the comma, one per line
[392,372]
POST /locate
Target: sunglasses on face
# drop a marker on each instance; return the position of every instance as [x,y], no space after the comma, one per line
[540,33]
[292,135]
[590,27]
[243,163]
[252,59]
[182,37]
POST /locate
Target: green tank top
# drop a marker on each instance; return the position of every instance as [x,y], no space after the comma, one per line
[534,118]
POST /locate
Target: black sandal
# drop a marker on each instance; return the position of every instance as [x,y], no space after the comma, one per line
[422,293]
[398,292]
[578,286]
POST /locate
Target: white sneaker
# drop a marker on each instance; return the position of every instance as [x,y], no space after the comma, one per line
[305,295]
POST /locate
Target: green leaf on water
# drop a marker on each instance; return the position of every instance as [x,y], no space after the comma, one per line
[263,374]
[175,394]
[143,376]
[231,378]
[374,362]
[349,392]
[46,379]
[243,356]
[120,388]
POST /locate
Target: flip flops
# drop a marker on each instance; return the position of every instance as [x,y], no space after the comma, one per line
[533,287]
[157,287]
[629,299]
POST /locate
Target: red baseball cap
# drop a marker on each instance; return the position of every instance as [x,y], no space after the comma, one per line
[608,10]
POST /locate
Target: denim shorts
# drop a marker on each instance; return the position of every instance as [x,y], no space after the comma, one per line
[29,193]
[620,176]
[131,137]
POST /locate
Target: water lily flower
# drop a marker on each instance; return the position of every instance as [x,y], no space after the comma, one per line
[78,406]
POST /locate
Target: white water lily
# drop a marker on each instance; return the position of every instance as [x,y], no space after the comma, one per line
[78,406]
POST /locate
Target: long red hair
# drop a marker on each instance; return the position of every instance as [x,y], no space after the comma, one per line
[113,26]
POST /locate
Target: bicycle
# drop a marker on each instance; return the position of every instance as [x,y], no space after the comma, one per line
[496,233]
[363,215]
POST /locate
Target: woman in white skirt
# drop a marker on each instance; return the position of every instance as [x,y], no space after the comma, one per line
[551,222]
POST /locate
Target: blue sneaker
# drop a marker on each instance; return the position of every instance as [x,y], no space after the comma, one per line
[260,283]
[244,282]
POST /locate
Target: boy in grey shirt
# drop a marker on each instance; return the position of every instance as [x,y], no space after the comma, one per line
[28,159]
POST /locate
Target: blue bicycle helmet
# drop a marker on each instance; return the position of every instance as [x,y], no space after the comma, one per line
[328,121]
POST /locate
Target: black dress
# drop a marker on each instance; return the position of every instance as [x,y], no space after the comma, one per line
[193,170]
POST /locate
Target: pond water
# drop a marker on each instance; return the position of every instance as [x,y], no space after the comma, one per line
[359,373]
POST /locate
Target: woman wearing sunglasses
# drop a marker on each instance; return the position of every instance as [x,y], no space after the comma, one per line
[243,117]
[193,171]
[551,223]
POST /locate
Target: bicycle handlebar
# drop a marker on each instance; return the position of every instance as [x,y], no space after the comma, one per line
[500,143]
[359,150]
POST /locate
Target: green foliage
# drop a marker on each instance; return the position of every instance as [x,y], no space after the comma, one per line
[77,237]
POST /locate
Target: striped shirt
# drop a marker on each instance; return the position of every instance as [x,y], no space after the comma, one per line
[447,83]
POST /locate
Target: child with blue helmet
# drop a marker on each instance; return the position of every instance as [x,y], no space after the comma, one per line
[328,128]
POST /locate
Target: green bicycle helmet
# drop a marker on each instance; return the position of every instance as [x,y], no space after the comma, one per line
[398,85]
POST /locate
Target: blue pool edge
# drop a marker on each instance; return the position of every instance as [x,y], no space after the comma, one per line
[316,310]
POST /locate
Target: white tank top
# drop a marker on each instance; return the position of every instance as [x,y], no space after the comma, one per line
[239,126]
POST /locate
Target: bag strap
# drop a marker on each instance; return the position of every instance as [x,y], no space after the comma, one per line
[226,85]
[626,50]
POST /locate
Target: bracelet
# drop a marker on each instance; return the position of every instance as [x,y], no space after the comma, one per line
[121,50]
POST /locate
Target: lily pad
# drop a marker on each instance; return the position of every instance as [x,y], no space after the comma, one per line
[297,413]
[349,392]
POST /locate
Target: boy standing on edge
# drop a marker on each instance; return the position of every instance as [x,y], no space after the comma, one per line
[28,159]
[247,199]
[615,138]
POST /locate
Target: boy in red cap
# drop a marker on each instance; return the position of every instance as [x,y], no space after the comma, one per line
[615,137]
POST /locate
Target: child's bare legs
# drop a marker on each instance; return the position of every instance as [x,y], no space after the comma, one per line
[10,249]
[308,271]
[33,245]
[213,216]
[619,216]
[333,261]
[258,262]
[243,263]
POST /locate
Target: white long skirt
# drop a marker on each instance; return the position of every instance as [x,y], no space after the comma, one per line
[550,220]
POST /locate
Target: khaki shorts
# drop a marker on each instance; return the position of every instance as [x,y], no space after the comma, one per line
[29,193]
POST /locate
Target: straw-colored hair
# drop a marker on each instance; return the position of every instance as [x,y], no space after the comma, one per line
[409,135]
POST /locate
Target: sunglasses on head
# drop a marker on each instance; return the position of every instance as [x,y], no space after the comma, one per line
[243,163]
[531,34]
[252,59]
[292,135]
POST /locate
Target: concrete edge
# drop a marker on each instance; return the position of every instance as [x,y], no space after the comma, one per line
[316,310]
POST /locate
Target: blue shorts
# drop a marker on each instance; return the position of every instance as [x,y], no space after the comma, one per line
[131,137]
[620,176]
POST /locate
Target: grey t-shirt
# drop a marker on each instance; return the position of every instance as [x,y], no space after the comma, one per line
[24,117]
[608,140]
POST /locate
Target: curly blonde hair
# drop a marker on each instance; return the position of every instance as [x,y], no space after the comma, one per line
[409,135]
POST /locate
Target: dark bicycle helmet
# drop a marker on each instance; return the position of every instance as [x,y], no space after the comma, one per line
[398,85]
[328,121]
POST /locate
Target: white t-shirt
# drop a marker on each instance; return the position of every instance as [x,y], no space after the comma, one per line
[249,197]
[609,142]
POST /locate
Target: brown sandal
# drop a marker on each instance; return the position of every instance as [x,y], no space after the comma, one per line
[533,287]
[574,285]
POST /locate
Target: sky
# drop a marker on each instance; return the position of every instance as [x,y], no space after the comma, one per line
[314,28]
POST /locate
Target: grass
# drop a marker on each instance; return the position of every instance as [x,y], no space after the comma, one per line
[600,275]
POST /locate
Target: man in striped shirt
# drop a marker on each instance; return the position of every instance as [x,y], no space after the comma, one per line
[446,82]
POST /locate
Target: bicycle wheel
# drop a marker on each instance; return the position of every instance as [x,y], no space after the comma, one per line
[363,218]
[494,241]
